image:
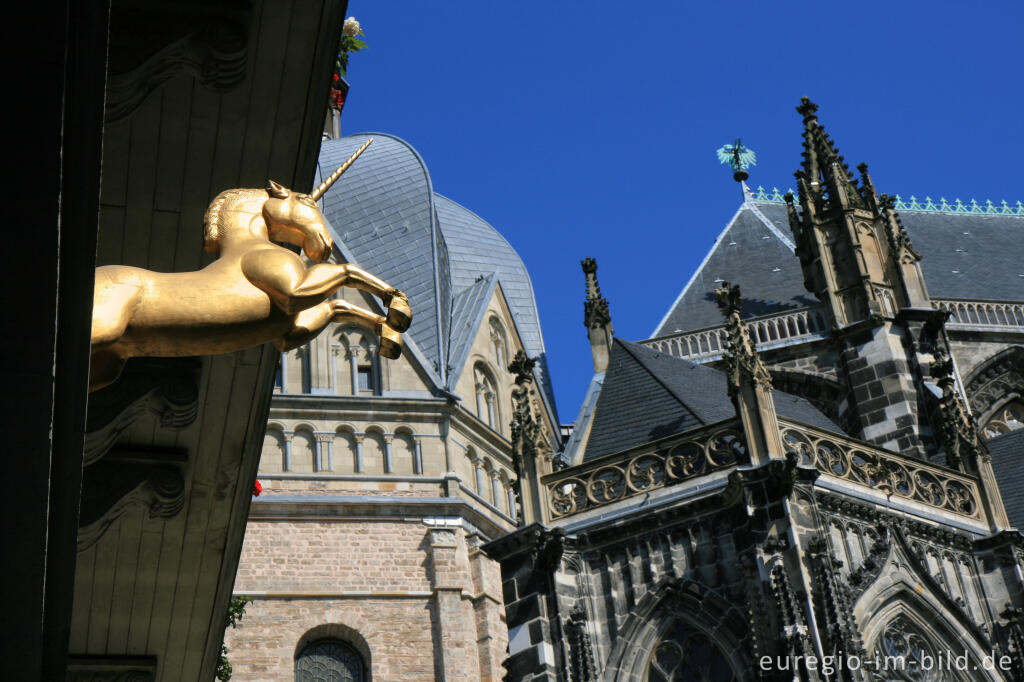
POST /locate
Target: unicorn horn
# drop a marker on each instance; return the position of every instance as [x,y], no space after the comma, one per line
[322,187]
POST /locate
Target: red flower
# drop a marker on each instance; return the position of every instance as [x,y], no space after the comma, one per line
[257,489]
[337,78]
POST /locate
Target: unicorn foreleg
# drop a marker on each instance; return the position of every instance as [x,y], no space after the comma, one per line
[309,323]
[293,289]
[317,277]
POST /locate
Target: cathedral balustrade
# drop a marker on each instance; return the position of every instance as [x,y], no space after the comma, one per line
[767,331]
[893,474]
[983,315]
[649,467]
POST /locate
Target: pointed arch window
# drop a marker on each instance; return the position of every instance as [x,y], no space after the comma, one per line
[1009,417]
[329,660]
[905,652]
[686,653]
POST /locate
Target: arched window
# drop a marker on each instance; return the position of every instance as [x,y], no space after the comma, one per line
[486,398]
[272,457]
[361,374]
[686,653]
[909,651]
[496,490]
[303,451]
[499,343]
[374,449]
[329,660]
[403,453]
[1009,417]
[344,450]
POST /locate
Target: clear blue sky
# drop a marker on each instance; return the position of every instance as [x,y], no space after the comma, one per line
[589,128]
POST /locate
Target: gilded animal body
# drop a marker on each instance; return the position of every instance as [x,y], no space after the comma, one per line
[255,292]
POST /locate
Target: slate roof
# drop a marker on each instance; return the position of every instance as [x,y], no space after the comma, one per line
[475,248]
[1007,452]
[387,218]
[985,251]
[649,395]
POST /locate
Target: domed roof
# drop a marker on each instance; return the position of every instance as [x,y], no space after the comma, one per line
[386,217]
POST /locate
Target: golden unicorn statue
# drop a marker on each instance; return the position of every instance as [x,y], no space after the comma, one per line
[255,292]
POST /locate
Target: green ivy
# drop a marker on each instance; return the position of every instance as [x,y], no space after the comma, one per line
[236,609]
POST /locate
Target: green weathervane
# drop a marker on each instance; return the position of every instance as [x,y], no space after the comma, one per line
[739,158]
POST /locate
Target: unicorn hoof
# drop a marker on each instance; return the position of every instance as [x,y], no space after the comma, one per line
[399,312]
[390,342]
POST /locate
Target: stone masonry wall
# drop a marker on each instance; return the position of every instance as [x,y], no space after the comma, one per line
[423,601]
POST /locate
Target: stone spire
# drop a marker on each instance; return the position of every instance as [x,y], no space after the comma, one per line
[824,171]
[856,256]
[596,317]
[858,261]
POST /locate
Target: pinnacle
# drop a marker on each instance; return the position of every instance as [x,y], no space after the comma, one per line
[806,108]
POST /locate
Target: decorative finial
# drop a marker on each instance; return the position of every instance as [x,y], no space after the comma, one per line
[742,362]
[739,158]
[807,108]
[522,367]
[957,429]
[595,307]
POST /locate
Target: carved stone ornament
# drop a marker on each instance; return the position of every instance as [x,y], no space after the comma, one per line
[111,668]
[742,362]
[893,474]
[956,427]
[165,387]
[154,42]
[123,480]
[688,456]
[581,652]
[527,433]
[255,292]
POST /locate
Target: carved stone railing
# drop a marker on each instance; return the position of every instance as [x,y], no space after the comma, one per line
[893,474]
[984,315]
[767,332]
[639,470]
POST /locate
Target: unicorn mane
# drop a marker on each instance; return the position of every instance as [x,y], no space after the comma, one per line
[214,216]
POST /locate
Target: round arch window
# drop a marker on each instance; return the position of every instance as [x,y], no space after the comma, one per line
[329,660]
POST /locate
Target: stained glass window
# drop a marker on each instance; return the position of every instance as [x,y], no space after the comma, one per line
[687,655]
[329,660]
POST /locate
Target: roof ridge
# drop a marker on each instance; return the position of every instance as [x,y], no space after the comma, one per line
[700,268]
[958,207]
